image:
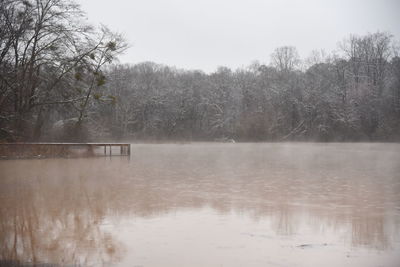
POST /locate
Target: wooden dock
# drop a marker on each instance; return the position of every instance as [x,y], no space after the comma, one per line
[35,150]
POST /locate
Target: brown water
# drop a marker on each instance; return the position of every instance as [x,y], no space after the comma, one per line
[298,204]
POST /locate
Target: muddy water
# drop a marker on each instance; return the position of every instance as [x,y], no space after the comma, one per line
[206,205]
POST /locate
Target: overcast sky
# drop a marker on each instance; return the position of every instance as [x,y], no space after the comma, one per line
[205,34]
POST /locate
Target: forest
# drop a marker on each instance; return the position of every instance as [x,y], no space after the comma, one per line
[60,80]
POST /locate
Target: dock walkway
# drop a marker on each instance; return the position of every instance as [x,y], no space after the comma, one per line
[28,150]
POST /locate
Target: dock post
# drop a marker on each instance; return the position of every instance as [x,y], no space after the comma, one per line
[90,150]
[105,150]
[110,150]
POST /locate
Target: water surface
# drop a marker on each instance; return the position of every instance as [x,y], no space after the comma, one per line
[206,204]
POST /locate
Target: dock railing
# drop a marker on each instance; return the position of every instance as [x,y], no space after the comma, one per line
[32,150]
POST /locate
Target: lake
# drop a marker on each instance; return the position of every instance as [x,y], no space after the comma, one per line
[206,204]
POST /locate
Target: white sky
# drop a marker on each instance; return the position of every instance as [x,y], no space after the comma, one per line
[205,34]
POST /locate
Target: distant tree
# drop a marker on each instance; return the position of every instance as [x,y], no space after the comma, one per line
[285,58]
[350,95]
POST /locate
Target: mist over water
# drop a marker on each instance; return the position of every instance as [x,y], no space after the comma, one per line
[210,86]
[206,204]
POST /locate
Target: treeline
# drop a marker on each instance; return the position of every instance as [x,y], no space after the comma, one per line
[56,83]
[350,95]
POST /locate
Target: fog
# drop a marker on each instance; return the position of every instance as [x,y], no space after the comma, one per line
[206,204]
[63,78]
[206,34]
[199,133]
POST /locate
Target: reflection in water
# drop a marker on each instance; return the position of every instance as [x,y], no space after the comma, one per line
[52,221]
[73,211]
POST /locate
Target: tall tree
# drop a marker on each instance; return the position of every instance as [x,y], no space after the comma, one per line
[45,43]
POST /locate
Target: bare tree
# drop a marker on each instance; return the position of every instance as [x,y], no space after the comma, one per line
[45,43]
[285,58]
